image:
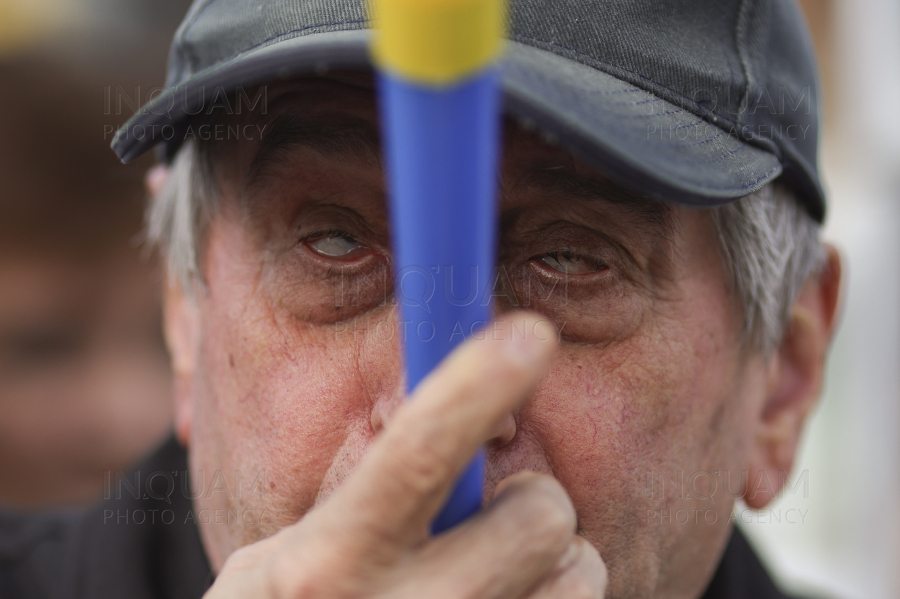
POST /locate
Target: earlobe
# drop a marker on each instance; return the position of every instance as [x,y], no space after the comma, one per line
[181,324]
[794,382]
[156,179]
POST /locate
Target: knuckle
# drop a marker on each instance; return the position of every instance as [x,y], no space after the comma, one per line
[244,558]
[290,578]
[258,570]
[283,577]
[420,465]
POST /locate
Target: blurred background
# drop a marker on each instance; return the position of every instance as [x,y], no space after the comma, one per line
[84,376]
[84,386]
[847,480]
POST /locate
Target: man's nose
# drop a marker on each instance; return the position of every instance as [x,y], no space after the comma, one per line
[504,432]
[386,406]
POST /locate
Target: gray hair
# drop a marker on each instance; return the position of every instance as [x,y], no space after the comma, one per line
[769,245]
[177,216]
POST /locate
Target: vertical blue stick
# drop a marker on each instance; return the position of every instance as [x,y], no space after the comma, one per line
[441,150]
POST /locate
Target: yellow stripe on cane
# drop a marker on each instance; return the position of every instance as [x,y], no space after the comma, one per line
[437,42]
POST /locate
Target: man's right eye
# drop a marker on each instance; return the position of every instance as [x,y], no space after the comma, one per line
[337,245]
[330,275]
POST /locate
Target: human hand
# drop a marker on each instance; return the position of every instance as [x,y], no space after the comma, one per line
[371,537]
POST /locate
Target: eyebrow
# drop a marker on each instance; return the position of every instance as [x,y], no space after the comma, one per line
[561,182]
[360,139]
[347,138]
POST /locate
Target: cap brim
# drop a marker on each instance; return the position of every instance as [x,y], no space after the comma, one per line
[630,134]
[633,136]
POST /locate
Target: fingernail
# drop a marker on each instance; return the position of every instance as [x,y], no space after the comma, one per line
[529,343]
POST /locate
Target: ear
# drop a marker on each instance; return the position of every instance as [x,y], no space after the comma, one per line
[181,323]
[156,179]
[794,382]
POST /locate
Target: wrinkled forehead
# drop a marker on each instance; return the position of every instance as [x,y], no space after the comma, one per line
[241,125]
[336,116]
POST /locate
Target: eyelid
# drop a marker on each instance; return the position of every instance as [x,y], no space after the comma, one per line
[563,235]
[598,263]
[348,264]
[331,232]
[569,254]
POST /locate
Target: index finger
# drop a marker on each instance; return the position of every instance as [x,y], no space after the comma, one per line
[407,475]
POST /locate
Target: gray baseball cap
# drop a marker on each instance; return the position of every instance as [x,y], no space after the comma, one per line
[698,102]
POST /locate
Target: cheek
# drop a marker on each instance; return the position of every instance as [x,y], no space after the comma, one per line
[672,398]
[279,396]
[609,418]
[275,394]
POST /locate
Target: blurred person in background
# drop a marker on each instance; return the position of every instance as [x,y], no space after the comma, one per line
[84,376]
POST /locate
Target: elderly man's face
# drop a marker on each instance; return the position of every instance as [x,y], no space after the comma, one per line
[289,361]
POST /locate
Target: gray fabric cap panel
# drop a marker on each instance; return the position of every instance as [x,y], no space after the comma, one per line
[696,101]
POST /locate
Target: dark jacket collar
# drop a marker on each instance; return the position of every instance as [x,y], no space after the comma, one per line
[143,543]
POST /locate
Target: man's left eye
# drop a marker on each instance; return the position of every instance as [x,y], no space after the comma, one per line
[337,245]
[571,263]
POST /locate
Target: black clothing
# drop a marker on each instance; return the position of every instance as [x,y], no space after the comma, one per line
[138,545]
[133,545]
